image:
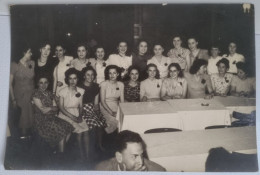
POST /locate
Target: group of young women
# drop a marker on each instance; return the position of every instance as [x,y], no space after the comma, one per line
[82,94]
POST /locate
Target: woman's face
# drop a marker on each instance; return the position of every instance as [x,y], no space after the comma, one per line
[73,80]
[89,76]
[214,51]
[151,72]
[82,52]
[202,70]
[45,51]
[192,43]
[232,48]
[177,42]
[241,74]
[59,51]
[142,48]
[158,50]
[43,84]
[100,53]
[134,75]
[222,69]
[173,72]
[28,54]
[122,48]
[113,74]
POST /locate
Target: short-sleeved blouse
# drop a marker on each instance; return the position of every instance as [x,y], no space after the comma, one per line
[132,94]
[151,88]
[221,85]
[174,88]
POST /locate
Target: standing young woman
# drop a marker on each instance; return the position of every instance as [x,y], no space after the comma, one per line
[59,71]
[151,87]
[21,88]
[91,113]
[100,64]
[111,93]
[121,59]
[82,60]
[140,59]
[198,81]
[70,104]
[160,61]
[175,86]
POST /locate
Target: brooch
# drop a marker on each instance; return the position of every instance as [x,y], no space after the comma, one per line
[165,64]
[88,64]
[68,65]
[104,64]
[30,66]
[234,62]
[78,95]
[180,83]
[117,88]
[203,81]
[158,85]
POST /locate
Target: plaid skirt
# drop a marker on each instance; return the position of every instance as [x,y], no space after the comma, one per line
[93,118]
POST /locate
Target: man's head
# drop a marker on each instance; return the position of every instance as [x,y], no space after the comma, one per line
[129,152]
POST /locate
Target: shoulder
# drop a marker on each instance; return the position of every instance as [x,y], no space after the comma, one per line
[229,76]
[239,55]
[80,90]
[206,76]
[36,94]
[213,76]
[69,58]
[103,84]
[63,91]
[144,81]
[235,79]
[120,84]
[183,80]
[107,165]
[152,166]
[74,60]
[186,75]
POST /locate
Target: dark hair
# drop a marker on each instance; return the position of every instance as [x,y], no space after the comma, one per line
[69,72]
[192,37]
[112,67]
[61,45]
[177,36]
[196,65]
[243,67]
[85,69]
[127,50]
[98,47]
[85,46]
[224,61]
[159,44]
[178,67]
[139,42]
[40,77]
[43,44]
[130,69]
[125,137]
[157,76]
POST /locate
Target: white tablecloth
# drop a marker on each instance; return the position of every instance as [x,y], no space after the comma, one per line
[188,150]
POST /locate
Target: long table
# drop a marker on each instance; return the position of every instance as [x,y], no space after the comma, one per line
[188,151]
[184,114]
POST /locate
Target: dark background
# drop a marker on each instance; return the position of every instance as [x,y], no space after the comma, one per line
[108,24]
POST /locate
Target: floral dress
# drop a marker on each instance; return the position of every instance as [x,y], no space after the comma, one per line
[174,88]
[132,94]
[221,85]
[49,126]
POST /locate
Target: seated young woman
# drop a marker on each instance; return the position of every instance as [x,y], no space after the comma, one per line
[132,86]
[175,86]
[150,88]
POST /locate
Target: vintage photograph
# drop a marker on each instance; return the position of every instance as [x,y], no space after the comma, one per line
[132,87]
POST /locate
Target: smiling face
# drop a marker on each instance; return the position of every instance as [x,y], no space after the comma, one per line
[73,80]
[100,53]
[177,42]
[232,48]
[82,52]
[241,74]
[28,54]
[214,52]
[158,50]
[43,84]
[151,72]
[134,75]
[202,70]
[132,156]
[113,74]
[222,69]
[173,72]
[122,48]
[192,43]
[59,51]
[142,48]
[45,51]
[89,76]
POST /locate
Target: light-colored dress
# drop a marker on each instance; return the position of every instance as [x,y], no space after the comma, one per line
[161,66]
[233,60]
[120,61]
[221,85]
[71,104]
[77,64]
[151,88]
[174,88]
[112,100]
[248,85]
[212,67]
[60,70]
[197,89]
[23,90]
[179,56]
[100,69]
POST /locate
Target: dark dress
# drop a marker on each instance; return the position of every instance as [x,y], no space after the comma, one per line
[140,61]
[92,117]
[51,128]
[46,71]
[132,94]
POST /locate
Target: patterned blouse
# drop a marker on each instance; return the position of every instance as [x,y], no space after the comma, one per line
[221,85]
[132,94]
